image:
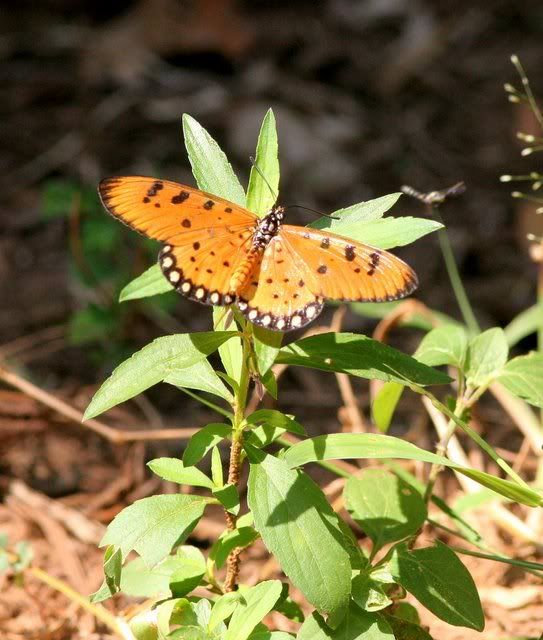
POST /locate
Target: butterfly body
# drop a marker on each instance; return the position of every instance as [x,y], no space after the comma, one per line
[219,253]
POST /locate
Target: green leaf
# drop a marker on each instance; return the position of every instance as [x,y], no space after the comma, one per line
[296,523]
[150,283]
[177,611]
[439,581]
[223,608]
[361,212]
[216,467]
[143,625]
[174,470]
[274,418]
[447,344]
[360,356]
[259,197]
[231,352]
[210,167]
[174,576]
[153,364]
[113,562]
[152,526]
[272,425]
[241,537]
[257,602]
[188,574]
[523,377]
[267,344]
[527,322]
[377,446]
[204,440]
[388,233]
[487,355]
[228,496]
[405,629]
[368,594]
[357,625]
[270,383]
[386,508]
[202,377]
[384,404]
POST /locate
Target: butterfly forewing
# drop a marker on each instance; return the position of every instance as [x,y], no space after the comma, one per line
[280,294]
[169,211]
[347,270]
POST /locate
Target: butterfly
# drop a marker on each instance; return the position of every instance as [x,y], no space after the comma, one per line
[219,253]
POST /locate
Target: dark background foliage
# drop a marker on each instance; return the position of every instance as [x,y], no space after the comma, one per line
[368,96]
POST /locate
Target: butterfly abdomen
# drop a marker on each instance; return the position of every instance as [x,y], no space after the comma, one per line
[241,275]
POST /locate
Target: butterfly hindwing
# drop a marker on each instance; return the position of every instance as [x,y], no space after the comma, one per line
[348,270]
[169,211]
[280,294]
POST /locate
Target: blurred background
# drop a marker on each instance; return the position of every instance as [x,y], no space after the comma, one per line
[368,96]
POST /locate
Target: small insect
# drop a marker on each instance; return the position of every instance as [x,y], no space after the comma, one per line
[219,253]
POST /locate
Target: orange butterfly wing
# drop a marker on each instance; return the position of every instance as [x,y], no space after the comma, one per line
[348,270]
[281,294]
[169,211]
[207,237]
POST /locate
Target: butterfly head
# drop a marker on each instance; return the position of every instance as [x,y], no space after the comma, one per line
[268,227]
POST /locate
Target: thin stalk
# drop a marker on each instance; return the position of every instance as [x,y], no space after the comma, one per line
[100,613]
[454,275]
[531,567]
[240,402]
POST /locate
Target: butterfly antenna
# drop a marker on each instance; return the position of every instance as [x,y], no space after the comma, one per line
[257,169]
[320,213]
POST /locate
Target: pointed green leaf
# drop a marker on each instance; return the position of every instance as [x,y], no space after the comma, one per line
[259,197]
[257,602]
[369,445]
[523,377]
[152,526]
[361,212]
[447,344]
[385,507]
[113,562]
[384,404]
[275,418]
[223,608]
[203,441]
[174,470]
[230,352]
[296,523]
[210,167]
[202,377]
[187,566]
[360,356]
[388,233]
[153,364]
[216,467]
[149,283]
[439,581]
[267,344]
[487,355]
[228,496]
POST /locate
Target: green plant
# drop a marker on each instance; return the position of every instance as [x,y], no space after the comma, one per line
[355,593]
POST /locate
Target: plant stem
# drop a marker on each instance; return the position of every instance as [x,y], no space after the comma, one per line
[100,613]
[454,275]
[240,401]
